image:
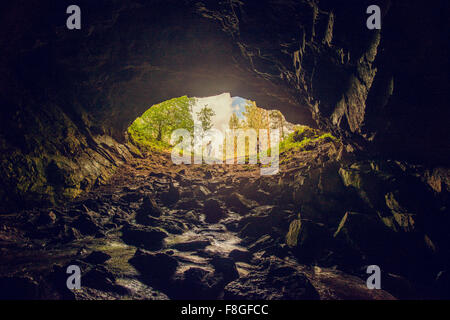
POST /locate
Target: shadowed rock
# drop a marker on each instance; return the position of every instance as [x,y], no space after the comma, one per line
[149,207]
[146,237]
[278,283]
[86,224]
[240,255]
[102,279]
[196,283]
[18,288]
[156,266]
[226,267]
[239,203]
[171,196]
[97,257]
[213,211]
[191,245]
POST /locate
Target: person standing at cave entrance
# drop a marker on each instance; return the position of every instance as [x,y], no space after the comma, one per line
[209,148]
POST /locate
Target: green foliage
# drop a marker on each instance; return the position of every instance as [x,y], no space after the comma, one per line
[302,137]
[255,117]
[205,116]
[234,123]
[277,121]
[154,128]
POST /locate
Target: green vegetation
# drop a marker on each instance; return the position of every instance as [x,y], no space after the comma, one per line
[153,129]
[205,116]
[257,118]
[234,123]
[302,137]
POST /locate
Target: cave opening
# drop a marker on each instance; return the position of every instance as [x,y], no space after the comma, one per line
[212,124]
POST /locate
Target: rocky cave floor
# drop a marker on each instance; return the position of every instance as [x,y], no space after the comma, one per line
[162,231]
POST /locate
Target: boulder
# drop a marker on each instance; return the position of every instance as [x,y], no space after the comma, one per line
[102,279]
[149,207]
[158,266]
[208,175]
[171,196]
[97,257]
[86,225]
[168,223]
[131,197]
[46,218]
[278,282]
[195,283]
[191,245]
[264,220]
[188,204]
[258,195]
[361,236]
[330,182]
[262,243]
[308,240]
[146,237]
[226,267]
[239,203]
[213,211]
[19,288]
[201,192]
[240,255]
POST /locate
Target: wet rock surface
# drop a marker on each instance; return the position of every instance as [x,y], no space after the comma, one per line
[313,239]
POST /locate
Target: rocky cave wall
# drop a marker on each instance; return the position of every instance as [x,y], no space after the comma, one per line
[68,96]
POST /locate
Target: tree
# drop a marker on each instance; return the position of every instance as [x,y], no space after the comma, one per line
[205,117]
[255,118]
[234,122]
[158,122]
[169,115]
[277,121]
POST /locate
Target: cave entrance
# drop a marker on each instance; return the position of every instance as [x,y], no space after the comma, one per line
[208,123]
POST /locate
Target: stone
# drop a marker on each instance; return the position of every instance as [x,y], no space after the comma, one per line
[308,240]
[195,283]
[263,243]
[226,267]
[365,235]
[259,195]
[213,211]
[97,257]
[188,204]
[264,220]
[147,237]
[131,197]
[171,196]
[102,279]
[158,266]
[18,288]
[191,245]
[279,282]
[46,218]
[150,207]
[240,255]
[86,225]
[68,234]
[239,203]
[207,175]
[201,192]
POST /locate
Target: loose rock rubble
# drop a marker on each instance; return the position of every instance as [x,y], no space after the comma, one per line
[165,232]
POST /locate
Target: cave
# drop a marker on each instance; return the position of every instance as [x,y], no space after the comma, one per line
[363,181]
